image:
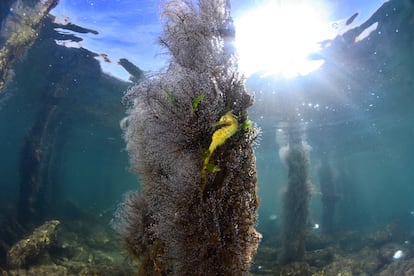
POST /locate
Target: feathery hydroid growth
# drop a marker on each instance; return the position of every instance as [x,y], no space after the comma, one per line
[188,219]
[296,199]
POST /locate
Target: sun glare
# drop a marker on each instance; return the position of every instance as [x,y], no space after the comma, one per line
[276,38]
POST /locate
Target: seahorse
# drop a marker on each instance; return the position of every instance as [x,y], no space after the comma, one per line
[229,127]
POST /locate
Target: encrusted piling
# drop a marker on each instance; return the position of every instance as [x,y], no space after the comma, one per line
[196,212]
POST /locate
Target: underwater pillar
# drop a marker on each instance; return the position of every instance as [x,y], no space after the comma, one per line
[329,196]
[20,24]
[191,144]
[36,191]
[296,214]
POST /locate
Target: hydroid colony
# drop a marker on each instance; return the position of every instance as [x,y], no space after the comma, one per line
[196,212]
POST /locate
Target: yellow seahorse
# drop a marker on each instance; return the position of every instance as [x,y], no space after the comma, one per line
[229,127]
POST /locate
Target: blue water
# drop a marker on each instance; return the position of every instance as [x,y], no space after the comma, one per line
[356,112]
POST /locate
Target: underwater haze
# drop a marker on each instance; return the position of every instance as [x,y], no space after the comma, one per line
[334,153]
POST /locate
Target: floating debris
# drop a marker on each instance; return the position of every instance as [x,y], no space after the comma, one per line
[398,255]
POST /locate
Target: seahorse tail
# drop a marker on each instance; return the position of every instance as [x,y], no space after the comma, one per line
[204,170]
[203,180]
